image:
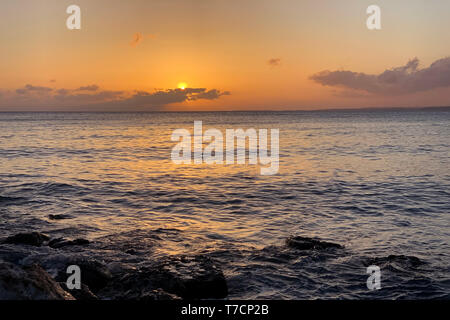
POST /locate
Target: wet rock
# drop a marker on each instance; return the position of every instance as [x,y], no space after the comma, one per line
[195,277]
[131,285]
[157,294]
[58,216]
[94,274]
[138,240]
[61,242]
[31,238]
[83,294]
[305,243]
[29,283]
[146,295]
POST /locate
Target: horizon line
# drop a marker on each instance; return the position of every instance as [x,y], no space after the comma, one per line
[244,110]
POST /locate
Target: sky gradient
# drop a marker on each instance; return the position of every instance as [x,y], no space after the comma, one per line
[227,55]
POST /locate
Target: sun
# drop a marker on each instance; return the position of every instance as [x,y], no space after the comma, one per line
[182,85]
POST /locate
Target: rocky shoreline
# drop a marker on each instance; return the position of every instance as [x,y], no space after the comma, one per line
[171,277]
[42,275]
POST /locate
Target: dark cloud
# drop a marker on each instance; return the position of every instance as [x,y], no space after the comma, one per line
[210,95]
[401,80]
[274,62]
[165,97]
[92,87]
[90,97]
[31,88]
[79,99]
[62,92]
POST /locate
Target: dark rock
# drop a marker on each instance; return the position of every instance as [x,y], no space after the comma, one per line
[93,273]
[191,278]
[186,277]
[139,240]
[30,283]
[58,216]
[83,294]
[61,242]
[31,238]
[304,243]
[146,295]
[157,294]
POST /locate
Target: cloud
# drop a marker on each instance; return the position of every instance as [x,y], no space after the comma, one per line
[396,81]
[137,38]
[80,99]
[92,98]
[62,92]
[30,88]
[171,96]
[274,62]
[92,87]
[210,95]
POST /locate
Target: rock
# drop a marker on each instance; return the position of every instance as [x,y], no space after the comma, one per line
[145,295]
[184,276]
[196,277]
[31,238]
[83,294]
[93,273]
[304,243]
[138,240]
[61,242]
[30,283]
[157,294]
[58,216]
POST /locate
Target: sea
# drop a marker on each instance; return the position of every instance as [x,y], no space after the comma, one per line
[377,182]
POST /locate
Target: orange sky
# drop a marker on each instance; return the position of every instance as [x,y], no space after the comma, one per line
[135,53]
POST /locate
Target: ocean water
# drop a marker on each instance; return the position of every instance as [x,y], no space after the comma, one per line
[376,182]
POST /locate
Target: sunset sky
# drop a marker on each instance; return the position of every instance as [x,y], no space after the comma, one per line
[223,55]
